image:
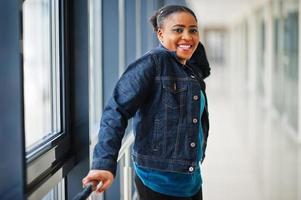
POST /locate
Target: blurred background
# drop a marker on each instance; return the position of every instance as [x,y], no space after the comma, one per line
[60,60]
[254,146]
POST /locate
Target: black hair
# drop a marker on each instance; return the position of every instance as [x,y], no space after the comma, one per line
[157,19]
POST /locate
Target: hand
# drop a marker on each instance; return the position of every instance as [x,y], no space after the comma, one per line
[95,176]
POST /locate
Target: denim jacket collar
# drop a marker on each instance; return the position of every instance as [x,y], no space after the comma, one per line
[172,53]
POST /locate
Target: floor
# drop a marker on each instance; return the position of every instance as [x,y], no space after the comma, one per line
[249,155]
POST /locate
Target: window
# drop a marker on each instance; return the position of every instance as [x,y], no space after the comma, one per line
[95,75]
[285,73]
[41,71]
[290,61]
[47,145]
[261,51]
[95,64]
[278,81]
[57,193]
[215,40]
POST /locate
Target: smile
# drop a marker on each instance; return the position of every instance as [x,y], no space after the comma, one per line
[185,46]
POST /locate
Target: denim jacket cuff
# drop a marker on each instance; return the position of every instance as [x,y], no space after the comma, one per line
[105,164]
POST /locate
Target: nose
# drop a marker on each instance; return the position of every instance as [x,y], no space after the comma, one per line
[186,35]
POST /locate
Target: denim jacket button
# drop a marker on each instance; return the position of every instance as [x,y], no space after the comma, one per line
[191,169]
[195,97]
[192,144]
[195,120]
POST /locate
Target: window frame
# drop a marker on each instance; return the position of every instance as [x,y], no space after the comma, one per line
[74,140]
[50,161]
[12,127]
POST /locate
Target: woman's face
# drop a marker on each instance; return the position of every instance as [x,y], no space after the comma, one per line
[179,32]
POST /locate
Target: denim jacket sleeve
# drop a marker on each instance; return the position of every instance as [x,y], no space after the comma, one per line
[200,62]
[129,93]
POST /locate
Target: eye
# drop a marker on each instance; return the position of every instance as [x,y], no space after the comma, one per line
[193,30]
[178,30]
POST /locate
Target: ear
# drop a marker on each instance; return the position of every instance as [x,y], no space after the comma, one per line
[160,34]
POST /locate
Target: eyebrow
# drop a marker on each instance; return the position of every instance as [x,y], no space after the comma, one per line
[181,25]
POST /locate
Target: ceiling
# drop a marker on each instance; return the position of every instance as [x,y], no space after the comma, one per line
[219,12]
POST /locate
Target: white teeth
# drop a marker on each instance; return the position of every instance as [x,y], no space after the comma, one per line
[184,46]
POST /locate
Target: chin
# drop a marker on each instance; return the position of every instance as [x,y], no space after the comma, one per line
[184,57]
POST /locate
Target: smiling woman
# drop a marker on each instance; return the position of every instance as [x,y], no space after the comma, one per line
[177,32]
[56,70]
[164,93]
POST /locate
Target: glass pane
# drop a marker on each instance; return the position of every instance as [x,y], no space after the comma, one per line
[41,74]
[215,43]
[57,193]
[290,62]
[285,77]
[95,67]
[278,81]
[95,60]
[95,72]
[261,52]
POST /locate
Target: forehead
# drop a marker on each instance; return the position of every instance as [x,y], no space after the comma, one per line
[180,18]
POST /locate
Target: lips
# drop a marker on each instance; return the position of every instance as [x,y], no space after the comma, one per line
[185,47]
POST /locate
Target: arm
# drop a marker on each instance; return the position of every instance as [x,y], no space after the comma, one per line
[199,60]
[129,94]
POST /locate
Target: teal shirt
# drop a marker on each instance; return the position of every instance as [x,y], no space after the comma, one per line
[171,183]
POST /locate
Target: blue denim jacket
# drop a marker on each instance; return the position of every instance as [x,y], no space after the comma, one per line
[162,96]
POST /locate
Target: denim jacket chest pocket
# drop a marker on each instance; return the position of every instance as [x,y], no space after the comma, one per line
[174,93]
[170,124]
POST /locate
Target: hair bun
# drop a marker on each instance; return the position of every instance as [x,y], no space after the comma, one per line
[153,21]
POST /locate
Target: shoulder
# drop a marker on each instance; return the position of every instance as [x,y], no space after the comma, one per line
[144,64]
[160,52]
[199,61]
[153,59]
[146,59]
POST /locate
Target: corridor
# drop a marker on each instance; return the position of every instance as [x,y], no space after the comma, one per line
[228,169]
[251,153]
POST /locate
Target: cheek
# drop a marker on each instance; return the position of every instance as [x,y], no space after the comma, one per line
[170,44]
[196,38]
